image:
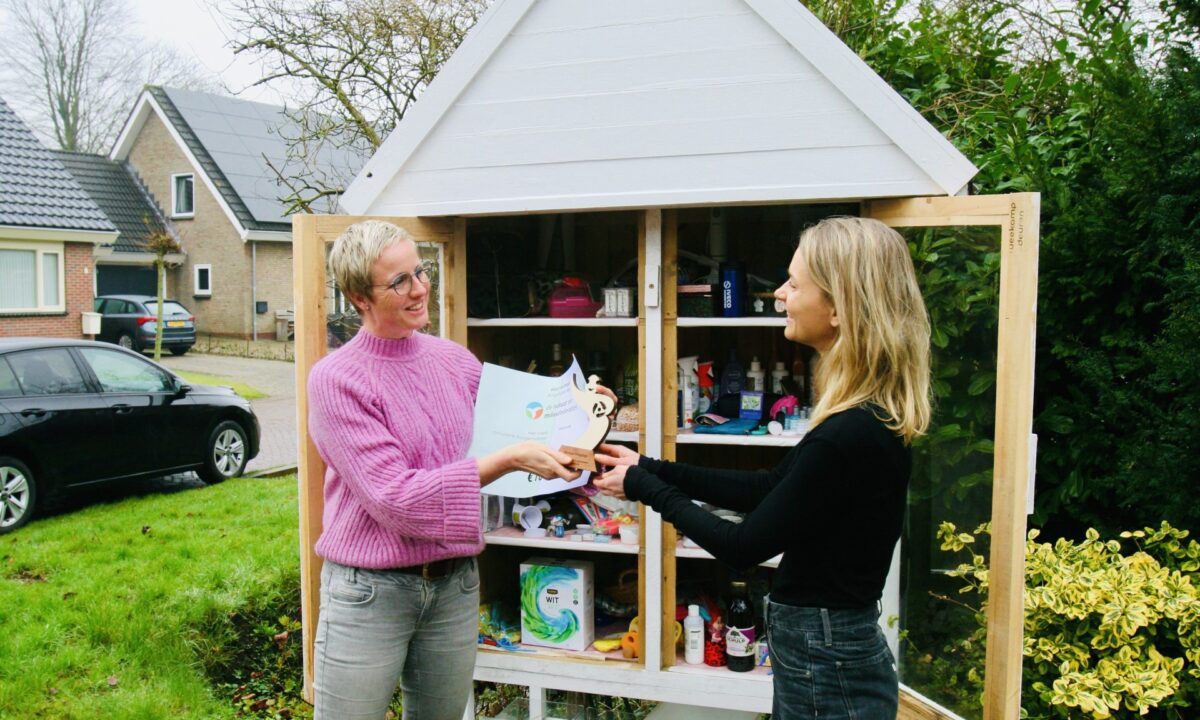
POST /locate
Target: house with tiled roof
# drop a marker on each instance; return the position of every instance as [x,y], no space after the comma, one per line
[49,228]
[213,165]
[125,266]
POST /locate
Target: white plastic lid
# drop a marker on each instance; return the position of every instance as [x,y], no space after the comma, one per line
[755,365]
[693,611]
[779,366]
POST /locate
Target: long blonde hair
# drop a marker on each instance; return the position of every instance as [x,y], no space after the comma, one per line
[881,352]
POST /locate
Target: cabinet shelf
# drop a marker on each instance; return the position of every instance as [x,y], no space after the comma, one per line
[696,553]
[515,537]
[688,437]
[630,322]
[758,674]
[716,322]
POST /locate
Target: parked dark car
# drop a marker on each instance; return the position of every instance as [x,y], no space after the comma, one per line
[131,320]
[74,413]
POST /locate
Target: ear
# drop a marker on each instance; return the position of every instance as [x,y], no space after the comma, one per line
[359,302]
[834,320]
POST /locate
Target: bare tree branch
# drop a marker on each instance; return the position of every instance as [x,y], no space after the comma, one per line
[75,67]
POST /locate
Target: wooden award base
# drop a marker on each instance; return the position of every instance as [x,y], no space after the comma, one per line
[581,459]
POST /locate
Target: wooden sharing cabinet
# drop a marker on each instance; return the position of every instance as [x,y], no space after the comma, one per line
[649,240]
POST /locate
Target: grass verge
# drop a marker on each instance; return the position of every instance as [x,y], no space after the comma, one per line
[240,388]
[108,610]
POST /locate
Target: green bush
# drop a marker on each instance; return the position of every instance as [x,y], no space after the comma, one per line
[1107,633]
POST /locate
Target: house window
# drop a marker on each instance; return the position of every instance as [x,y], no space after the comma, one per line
[202,280]
[31,277]
[182,196]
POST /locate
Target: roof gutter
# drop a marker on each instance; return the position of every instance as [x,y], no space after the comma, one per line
[265,236]
[34,234]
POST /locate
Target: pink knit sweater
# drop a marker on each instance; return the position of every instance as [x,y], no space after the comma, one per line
[392,419]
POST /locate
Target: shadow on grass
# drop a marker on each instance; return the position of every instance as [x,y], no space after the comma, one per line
[117,491]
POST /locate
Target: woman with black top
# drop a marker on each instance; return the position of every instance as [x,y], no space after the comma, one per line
[835,505]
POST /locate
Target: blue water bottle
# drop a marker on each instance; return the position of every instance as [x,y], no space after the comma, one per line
[732,290]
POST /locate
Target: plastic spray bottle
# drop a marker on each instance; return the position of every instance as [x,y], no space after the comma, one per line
[693,636]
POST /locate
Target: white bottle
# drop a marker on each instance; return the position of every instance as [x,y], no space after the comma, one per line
[693,636]
[756,377]
[777,376]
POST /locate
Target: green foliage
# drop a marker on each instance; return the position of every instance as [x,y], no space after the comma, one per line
[1109,632]
[99,605]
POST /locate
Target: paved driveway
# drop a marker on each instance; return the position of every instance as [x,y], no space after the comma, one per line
[276,412]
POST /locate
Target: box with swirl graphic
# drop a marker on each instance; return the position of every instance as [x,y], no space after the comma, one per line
[557,601]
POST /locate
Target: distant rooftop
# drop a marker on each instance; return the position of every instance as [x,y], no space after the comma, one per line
[119,195]
[35,189]
[233,140]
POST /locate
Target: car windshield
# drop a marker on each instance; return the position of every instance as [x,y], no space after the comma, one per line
[170,307]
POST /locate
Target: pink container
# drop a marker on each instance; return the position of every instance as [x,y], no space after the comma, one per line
[568,301]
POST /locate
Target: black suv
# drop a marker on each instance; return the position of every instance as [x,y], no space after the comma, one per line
[75,412]
[130,321]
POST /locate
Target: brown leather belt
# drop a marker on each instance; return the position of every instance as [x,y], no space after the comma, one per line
[431,570]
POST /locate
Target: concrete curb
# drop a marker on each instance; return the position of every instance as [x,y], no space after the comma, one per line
[277,471]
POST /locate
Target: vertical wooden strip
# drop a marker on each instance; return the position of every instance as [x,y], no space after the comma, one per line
[670,264]
[308,271]
[641,346]
[1014,424]
[455,313]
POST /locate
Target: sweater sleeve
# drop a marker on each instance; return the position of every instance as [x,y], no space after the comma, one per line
[352,435]
[802,494]
[740,490]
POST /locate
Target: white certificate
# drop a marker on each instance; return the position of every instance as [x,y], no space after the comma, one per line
[513,407]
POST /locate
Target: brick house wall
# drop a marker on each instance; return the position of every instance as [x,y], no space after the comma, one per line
[208,238]
[79,280]
[274,283]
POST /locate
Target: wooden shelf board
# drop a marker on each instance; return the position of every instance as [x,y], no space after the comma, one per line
[552,322]
[751,321]
[697,553]
[515,537]
[689,437]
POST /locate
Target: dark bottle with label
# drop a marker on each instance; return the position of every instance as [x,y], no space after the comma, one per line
[739,633]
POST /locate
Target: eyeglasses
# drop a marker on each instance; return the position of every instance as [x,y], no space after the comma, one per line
[402,283]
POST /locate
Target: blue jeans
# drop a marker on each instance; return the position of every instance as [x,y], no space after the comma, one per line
[380,627]
[832,664]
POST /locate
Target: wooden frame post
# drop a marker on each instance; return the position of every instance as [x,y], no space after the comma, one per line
[310,236]
[1018,217]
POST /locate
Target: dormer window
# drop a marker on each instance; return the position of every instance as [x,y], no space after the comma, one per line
[182,196]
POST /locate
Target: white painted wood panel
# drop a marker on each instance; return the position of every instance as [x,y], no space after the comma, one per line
[822,173]
[656,139]
[625,103]
[652,68]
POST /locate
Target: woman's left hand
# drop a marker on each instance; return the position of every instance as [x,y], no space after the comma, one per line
[609,394]
[612,481]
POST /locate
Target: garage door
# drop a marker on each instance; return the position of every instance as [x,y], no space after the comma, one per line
[125,280]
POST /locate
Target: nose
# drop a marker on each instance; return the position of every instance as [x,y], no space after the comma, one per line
[781,292]
[417,289]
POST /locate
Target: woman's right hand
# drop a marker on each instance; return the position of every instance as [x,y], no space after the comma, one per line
[614,455]
[529,456]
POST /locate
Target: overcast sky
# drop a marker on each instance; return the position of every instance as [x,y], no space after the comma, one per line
[196,30]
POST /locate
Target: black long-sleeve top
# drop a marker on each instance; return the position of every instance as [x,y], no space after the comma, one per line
[834,507]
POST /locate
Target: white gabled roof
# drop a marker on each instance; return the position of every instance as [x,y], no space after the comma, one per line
[551,105]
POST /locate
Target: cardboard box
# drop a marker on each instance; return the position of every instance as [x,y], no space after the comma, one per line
[558,598]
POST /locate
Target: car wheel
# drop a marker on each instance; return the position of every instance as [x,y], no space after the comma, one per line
[18,494]
[225,453]
[178,350]
[125,340]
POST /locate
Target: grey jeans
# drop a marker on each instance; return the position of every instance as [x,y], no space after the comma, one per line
[378,627]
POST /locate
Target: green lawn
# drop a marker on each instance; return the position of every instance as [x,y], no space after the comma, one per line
[238,387]
[100,608]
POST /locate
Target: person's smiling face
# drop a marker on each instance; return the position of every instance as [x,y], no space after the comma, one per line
[392,312]
[811,318]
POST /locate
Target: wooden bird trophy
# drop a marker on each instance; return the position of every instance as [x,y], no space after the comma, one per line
[599,409]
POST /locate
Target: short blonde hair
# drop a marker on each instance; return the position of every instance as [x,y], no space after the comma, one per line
[881,352]
[356,249]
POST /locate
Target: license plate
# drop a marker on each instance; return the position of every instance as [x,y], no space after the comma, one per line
[175,323]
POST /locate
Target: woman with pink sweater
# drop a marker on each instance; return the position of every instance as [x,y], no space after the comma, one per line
[391,414]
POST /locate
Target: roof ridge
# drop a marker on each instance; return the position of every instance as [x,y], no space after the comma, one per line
[207,164]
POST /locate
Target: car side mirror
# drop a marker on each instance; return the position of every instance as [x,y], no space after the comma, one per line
[182,389]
